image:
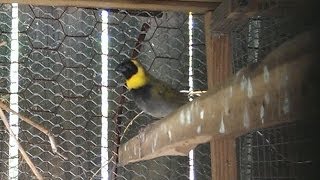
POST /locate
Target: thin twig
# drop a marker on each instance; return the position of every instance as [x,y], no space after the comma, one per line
[37,126]
[190,93]
[130,123]
[144,29]
[101,168]
[22,151]
[197,92]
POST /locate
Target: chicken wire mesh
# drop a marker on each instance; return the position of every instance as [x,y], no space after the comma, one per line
[284,151]
[281,152]
[59,66]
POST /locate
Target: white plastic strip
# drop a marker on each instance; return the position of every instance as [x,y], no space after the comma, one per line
[14,79]
[104,96]
[191,88]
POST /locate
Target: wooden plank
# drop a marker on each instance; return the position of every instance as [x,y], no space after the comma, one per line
[209,48]
[223,158]
[279,90]
[218,53]
[219,65]
[223,150]
[152,5]
[202,0]
[239,9]
[231,13]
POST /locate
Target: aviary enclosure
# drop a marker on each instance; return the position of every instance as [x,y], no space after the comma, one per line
[249,68]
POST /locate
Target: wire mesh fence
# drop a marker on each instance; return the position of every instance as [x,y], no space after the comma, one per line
[284,151]
[257,37]
[281,152]
[60,82]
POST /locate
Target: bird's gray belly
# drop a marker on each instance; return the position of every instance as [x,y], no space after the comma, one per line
[154,106]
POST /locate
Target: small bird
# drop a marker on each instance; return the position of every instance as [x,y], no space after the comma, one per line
[151,95]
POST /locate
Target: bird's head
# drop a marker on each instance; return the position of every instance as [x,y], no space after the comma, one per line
[134,73]
[127,69]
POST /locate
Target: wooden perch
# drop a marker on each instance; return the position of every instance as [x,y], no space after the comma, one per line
[280,89]
[151,5]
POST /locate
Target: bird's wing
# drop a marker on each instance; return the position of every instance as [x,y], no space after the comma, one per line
[163,90]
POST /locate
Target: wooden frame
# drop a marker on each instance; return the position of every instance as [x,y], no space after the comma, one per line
[218,51]
[197,6]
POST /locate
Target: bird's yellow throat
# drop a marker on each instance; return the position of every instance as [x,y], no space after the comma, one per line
[139,79]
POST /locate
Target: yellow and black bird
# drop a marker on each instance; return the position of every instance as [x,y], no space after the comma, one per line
[151,95]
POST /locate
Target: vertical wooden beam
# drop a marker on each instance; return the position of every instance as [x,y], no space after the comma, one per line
[223,158]
[209,49]
[220,64]
[218,51]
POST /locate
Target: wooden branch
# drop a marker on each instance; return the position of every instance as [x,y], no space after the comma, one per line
[144,29]
[281,89]
[117,119]
[22,151]
[37,126]
[152,5]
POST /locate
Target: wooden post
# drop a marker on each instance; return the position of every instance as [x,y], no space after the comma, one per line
[223,158]
[223,150]
[219,64]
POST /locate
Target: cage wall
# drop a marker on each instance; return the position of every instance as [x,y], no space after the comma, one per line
[283,151]
[60,87]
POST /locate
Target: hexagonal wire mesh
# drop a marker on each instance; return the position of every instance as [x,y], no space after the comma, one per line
[284,151]
[60,87]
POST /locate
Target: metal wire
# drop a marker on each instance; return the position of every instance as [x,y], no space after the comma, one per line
[281,152]
[60,87]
